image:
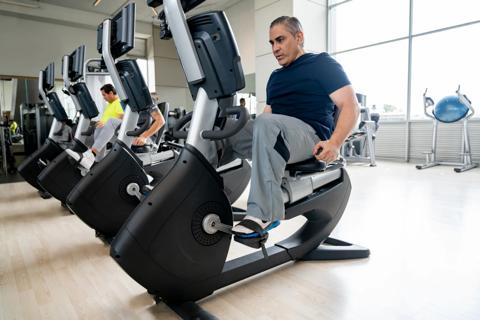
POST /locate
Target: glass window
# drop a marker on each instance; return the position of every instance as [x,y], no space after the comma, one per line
[6,95]
[433,14]
[360,22]
[442,61]
[380,73]
[143,65]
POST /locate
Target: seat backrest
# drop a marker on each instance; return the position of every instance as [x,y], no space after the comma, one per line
[218,55]
[88,106]
[139,98]
[57,108]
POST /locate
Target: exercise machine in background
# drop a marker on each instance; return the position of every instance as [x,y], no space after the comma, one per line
[61,174]
[9,134]
[55,143]
[360,145]
[35,122]
[449,109]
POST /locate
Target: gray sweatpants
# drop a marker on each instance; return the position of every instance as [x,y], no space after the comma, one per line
[103,135]
[270,141]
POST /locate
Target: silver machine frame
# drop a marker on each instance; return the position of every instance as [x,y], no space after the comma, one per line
[431,156]
[83,122]
[130,117]
[56,125]
[204,109]
[366,137]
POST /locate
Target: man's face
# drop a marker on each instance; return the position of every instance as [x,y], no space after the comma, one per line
[286,47]
[109,97]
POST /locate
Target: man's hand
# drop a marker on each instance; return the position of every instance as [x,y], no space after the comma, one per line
[139,141]
[100,124]
[326,151]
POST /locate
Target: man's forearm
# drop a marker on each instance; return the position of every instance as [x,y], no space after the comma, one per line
[345,124]
[156,125]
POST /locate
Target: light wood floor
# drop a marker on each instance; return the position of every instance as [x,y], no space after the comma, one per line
[423,229]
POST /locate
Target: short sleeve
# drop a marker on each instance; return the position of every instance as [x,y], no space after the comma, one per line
[331,74]
[155,108]
[118,107]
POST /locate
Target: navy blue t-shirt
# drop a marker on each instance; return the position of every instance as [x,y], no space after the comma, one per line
[302,90]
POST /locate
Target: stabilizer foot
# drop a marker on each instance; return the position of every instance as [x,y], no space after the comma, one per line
[465,168]
[333,249]
[105,239]
[191,311]
[44,194]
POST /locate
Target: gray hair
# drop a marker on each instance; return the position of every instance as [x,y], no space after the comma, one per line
[292,24]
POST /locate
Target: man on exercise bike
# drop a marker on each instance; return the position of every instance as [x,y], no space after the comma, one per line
[105,129]
[297,123]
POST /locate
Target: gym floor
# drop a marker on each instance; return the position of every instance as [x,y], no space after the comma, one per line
[422,228]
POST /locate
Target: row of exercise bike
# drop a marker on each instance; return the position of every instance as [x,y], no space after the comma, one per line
[172,234]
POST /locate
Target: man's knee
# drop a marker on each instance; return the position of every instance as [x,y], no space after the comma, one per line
[112,126]
[264,122]
[110,123]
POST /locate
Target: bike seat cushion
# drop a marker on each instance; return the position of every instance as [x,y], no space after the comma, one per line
[140,149]
[311,165]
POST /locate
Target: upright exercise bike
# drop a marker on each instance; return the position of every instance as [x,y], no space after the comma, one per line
[31,167]
[175,243]
[61,175]
[109,193]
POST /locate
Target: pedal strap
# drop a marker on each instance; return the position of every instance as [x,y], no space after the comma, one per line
[252,225]
[257,242]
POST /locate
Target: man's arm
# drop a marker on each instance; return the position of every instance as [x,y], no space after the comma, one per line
[158,122]
[346,102]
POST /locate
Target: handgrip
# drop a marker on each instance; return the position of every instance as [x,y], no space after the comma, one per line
[230,131]
[143,128]
[181,134]
[89,132]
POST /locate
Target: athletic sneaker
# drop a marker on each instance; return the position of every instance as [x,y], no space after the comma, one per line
[265,225]
[86,159]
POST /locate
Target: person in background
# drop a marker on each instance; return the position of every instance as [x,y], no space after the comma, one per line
[109,122]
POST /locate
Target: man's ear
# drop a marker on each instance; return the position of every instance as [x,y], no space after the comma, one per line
[300,38]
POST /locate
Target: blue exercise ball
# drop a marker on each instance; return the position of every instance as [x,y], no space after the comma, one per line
[450,109]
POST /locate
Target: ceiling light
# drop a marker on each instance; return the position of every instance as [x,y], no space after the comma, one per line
[96,2]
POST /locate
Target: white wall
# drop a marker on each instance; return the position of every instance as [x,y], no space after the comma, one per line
[171,84]
[28,46]
[391,141]
[311,13]
[265,12]
[30,38]
[242,20]
[313,16]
